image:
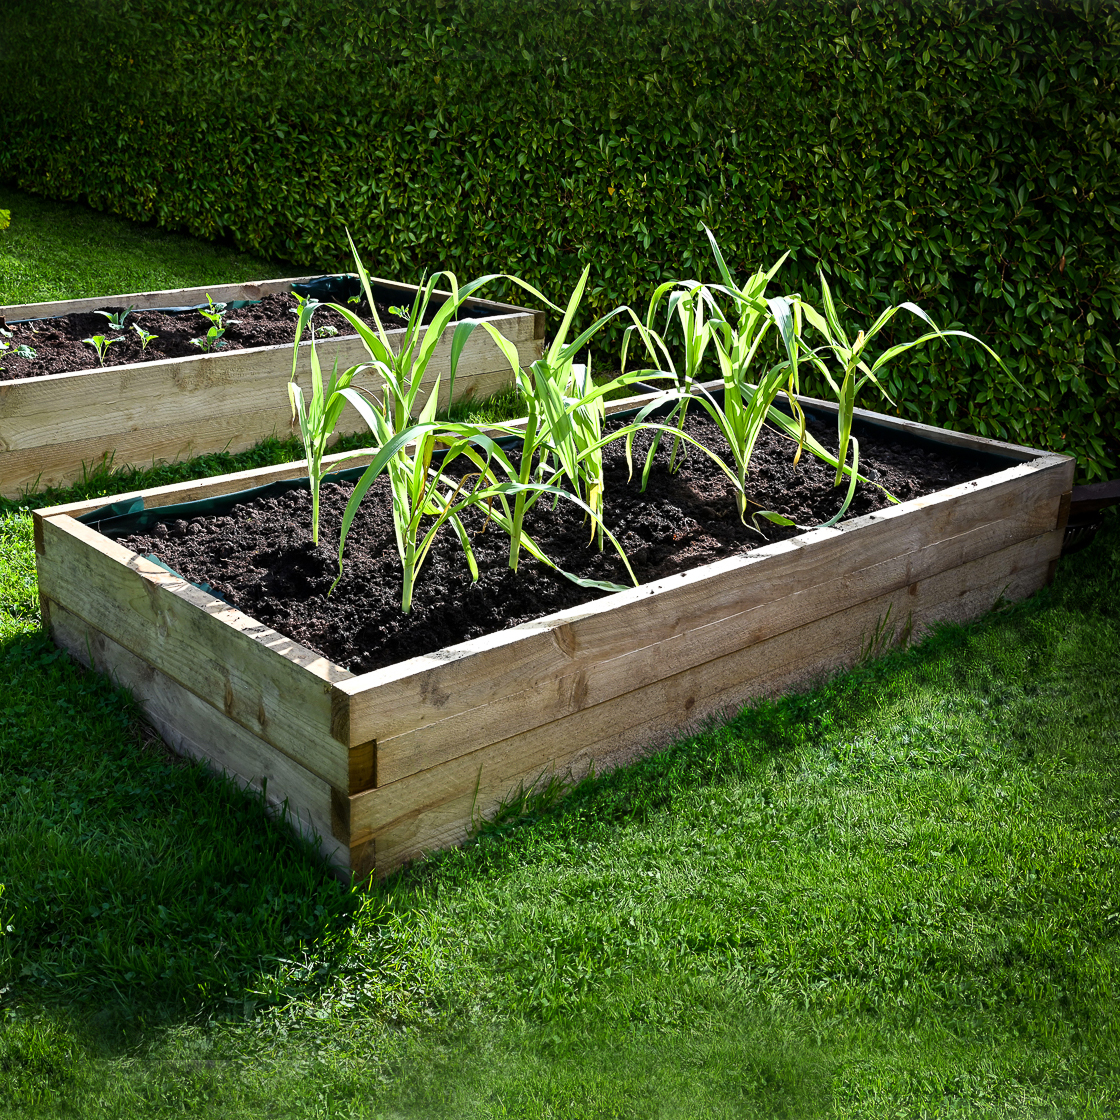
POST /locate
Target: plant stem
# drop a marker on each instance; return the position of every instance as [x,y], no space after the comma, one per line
[523,478]
[409,573]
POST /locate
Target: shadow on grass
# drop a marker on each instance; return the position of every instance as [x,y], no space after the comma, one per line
[138,887]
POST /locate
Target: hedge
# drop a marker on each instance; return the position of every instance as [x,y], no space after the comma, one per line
[961,155]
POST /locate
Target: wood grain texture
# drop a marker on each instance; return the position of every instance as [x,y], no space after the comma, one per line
[434,808]
[69,406]
[194,728]
[57,464]
[787,597]
[413,694]
[274,687]
[197,489]
[598,684]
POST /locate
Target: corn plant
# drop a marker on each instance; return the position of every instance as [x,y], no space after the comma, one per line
[737,340]
[101,345]
[402,370]
[689,301]
[422,491]
[748,398]
[317,418]
[564,414]
[848,354]
[565,411]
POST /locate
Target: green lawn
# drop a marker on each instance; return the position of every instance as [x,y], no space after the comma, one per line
[60,250]
[897,895]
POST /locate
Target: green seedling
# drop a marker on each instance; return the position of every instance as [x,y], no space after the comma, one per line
[215,313]
[115,318]
[400,312]
[852,371]
[406,450]
[318,417]
[25,352]
[146,337]
[749,393]
[101,345]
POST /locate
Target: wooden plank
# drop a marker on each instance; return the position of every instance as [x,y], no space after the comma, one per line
[769,606]
[26,471]
[433,808]
[271,685]
[65,407]
[220,293]
[403,697]
[291,792]
[170,297]
[197,489]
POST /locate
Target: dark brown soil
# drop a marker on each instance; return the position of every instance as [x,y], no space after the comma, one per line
[59,347]
[260,557]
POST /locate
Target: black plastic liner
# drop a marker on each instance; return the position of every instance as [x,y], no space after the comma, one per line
[330,289]
[231,305]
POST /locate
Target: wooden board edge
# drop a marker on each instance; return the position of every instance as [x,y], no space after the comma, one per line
[203,488]
[253,289]
[472,799]
[191,727]
[451,660]
[576,686]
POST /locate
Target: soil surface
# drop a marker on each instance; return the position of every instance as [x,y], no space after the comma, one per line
[260,558]
[59,348]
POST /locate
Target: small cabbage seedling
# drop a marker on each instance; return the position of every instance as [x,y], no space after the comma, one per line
[101,344]
[212,339]
[24,352]
[146,337]
[116,318]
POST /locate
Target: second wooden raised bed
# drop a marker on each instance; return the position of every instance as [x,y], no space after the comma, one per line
[388,765]
[50,427]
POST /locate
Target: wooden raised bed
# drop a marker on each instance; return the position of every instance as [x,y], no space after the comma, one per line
[168,409]
[387,765]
